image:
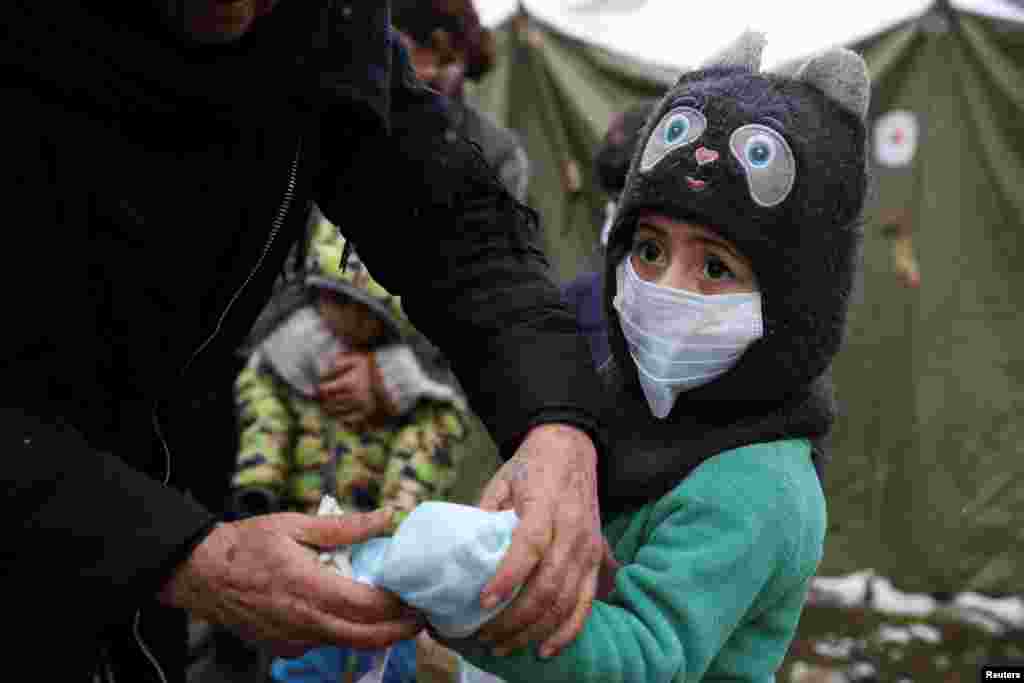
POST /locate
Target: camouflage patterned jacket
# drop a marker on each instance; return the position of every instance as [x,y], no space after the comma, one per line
[292,452]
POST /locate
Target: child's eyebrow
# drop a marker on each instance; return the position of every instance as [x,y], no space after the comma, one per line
[715,239]
[645,224]
[719,242]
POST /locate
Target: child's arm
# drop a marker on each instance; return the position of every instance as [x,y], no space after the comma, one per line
[709,549]
[263,466]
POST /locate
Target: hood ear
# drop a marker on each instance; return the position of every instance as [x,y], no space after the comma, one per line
[842,75]
[745,52]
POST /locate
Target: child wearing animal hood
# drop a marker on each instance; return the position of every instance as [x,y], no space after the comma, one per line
[729,270]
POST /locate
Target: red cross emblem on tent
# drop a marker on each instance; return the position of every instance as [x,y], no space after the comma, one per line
[896,138]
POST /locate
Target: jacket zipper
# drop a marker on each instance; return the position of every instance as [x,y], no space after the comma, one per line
[279,219]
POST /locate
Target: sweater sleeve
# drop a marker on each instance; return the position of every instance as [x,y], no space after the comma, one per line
[464,256]
[711,549]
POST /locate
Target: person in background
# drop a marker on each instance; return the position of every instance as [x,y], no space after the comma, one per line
[584,293]
[389,445]
[448,46]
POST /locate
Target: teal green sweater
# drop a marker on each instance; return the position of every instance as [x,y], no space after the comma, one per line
[714,577]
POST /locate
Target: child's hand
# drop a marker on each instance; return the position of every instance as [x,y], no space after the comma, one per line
[350,390]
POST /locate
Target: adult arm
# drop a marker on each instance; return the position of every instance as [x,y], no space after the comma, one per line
[435,226]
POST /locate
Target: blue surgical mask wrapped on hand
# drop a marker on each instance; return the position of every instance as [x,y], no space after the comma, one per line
[439,561]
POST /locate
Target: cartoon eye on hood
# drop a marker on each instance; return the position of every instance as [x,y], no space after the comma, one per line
[678,128]
[768,161]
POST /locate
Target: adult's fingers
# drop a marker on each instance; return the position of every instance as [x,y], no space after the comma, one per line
[544,604]
[333,594]
[309,627]
[530,542]
[343,632]
[342,612]
[349,529]
[571,627]
[357,602]
[583,562]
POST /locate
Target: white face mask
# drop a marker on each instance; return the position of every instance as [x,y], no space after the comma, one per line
[680,340]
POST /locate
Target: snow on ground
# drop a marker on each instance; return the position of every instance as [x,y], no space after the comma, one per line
[867,589]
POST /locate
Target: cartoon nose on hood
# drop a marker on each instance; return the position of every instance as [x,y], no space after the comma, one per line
[705,156]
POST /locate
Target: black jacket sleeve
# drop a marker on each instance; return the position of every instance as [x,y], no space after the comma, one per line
[85,534]
[435,226]
[97,533]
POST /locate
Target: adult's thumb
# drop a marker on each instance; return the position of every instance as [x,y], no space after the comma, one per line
[329,531]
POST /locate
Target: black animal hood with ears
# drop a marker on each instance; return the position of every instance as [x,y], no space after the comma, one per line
[776,165]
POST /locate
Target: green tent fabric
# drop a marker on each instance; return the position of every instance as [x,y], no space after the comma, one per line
[559,94]
[926,485]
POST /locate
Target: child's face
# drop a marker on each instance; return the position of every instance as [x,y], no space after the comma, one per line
[671,253]
[351,321]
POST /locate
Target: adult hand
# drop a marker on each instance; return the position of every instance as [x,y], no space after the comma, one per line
[351,390]
[556,550]
[259,578]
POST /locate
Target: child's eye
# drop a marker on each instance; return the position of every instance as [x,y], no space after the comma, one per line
[649,251]
[716,269]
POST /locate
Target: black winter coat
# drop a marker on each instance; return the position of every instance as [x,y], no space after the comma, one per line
[151,192]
